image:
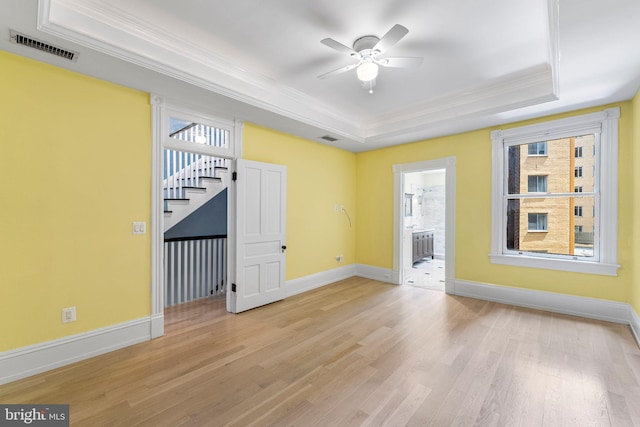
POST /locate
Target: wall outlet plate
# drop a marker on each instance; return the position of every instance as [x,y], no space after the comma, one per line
[68,314]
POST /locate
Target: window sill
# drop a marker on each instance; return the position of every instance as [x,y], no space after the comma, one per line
[537,231]
[574,266]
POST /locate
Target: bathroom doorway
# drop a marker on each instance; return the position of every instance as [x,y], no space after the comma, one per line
[424,229]
[424,218]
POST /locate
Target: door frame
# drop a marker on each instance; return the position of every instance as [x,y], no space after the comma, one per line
[399,171]
[158,121]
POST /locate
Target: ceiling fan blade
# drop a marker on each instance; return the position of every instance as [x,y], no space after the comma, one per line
[338,46]
[401,62]
[338,71]
[392,37]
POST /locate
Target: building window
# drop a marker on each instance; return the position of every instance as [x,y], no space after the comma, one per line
[537,184]
[538,148]
[537,222]
[578,151]
[515,211]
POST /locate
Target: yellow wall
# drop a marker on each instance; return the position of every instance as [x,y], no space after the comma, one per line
[76,170]
[635,196]
[76,159]
[318,178]
[472,150]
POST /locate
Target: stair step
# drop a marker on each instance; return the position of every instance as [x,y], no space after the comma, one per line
[180,201]
[190,188]
[217,178]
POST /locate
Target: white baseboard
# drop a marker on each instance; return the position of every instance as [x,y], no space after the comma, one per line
[378,273]
[313,281]
[157,325]
[34,359]
[634,322]
[591,308]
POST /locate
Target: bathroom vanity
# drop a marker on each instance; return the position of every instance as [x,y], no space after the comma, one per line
[421,244]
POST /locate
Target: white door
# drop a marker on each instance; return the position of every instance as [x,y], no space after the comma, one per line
[260,231]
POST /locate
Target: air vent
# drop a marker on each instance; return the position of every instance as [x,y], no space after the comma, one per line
[329,138]
[24,40]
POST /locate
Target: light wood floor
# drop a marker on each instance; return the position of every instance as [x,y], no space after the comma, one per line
[357,352]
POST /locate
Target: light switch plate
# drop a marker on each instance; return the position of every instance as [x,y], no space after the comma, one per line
[140,228]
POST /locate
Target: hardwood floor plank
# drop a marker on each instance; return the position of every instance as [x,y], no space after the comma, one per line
[357,352]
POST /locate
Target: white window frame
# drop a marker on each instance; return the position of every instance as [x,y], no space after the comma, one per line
[577,211]
[538,230]
[605,125]
[536,154]
[538,180]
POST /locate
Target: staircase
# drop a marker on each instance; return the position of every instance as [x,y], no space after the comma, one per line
[192,181]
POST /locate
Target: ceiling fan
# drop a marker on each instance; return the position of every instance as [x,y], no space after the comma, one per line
[366,50]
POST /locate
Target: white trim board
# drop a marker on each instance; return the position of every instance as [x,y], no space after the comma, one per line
[378,273]
[34,359]
[590,308]
[317,280]
[634,322]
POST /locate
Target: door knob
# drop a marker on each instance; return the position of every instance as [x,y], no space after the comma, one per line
[284,248]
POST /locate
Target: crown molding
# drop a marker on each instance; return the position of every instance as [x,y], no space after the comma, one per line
[80,21]
[100,26]
[529,87]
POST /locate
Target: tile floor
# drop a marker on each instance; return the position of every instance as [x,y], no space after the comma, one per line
[427,273]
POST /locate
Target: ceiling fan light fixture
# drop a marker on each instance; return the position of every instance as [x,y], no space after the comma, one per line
[367,71]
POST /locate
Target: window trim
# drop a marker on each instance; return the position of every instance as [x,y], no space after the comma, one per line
[538,230]
[536,154]
[604,123]
[576,151]
[545,180]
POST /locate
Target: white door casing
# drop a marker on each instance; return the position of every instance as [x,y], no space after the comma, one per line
[259,192]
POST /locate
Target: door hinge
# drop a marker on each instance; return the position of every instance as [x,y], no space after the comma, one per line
[233,287]
[234,176]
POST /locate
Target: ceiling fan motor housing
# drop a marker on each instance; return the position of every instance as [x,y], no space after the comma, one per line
[365,43]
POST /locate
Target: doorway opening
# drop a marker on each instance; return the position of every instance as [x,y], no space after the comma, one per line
[424,223]
[424,229]
[192,157]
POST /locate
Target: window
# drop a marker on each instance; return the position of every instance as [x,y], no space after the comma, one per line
[578,152]
[516,212]
[538,148]
[537,184]
[537,222]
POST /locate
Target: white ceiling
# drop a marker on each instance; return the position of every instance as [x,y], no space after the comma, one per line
[486,62]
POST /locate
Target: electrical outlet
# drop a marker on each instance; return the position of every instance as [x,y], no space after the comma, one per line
[68,314]
[339,258]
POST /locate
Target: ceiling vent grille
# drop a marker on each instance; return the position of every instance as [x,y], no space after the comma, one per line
[329,138]
[24,40]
